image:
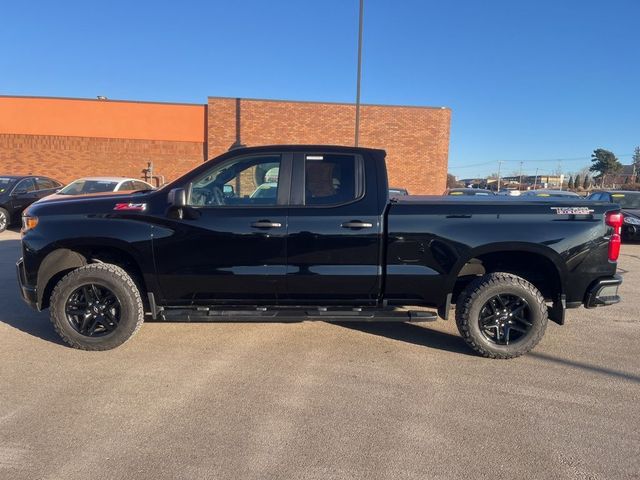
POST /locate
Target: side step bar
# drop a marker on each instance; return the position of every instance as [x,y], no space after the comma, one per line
[260,314]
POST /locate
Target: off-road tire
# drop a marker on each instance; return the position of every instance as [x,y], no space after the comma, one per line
[123,287]
[4,215]
[474,297]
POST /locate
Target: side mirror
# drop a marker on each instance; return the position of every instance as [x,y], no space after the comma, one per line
[177,197]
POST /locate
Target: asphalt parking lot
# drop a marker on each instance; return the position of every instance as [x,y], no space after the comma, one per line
[319,400]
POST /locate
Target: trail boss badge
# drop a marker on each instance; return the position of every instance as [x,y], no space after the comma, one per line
[572,210]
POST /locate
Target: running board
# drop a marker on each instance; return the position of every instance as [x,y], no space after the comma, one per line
[260,314]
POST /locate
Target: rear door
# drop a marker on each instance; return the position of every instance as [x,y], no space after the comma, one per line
[335,231]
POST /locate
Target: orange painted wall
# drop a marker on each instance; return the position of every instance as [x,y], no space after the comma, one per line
[102,119]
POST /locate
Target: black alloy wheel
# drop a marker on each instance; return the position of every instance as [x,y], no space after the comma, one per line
[504,319]
[501,315]
[96,307]
[93,310]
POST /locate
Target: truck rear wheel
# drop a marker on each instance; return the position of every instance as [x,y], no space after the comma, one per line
[501,315]
[96,307]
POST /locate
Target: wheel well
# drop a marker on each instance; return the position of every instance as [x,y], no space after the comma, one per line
[533,267]
[86,255]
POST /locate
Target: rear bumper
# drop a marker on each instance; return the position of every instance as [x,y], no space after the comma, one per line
[603,292]
[29,294]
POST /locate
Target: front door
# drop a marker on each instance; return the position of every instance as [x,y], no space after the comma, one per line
[334,231]
[230,245]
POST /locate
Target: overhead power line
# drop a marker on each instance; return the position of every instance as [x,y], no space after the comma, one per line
[493,162]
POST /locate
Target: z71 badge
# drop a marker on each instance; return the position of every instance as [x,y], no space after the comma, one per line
[572,210]
[137,207]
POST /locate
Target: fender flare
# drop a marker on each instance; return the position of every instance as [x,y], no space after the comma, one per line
[498,247]
[55,262]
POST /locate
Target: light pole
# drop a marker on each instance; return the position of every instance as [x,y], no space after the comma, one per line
[499,166]
[359,73]
[535,181]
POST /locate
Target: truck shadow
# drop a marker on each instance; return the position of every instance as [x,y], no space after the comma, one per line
[586,366]
[35,324]
[411,333]
[13,311]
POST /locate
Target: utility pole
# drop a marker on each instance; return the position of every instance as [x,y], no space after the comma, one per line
[499,166]
[520,182]
[560,176]
[535,181]
[359,73]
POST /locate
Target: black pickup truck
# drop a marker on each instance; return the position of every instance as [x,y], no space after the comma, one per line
[289,233]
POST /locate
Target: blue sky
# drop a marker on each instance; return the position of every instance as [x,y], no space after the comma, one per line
[526,80]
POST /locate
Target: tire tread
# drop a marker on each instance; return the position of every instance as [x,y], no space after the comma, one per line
[478,286]
[121,275]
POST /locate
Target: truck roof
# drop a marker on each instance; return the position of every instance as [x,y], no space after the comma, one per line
[307,147]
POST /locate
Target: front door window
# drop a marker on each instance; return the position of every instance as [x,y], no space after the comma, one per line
[248,181]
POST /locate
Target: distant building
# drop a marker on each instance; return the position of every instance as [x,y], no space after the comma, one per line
[67,138]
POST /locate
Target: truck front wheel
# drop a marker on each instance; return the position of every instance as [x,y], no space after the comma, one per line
[96,307]
[501,315]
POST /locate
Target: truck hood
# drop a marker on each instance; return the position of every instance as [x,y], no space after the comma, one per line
[57,196]
[97,203]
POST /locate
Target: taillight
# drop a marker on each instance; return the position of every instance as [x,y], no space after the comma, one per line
[615,220]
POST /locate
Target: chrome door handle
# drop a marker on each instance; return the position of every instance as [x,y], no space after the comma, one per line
[356,224]
[266,224]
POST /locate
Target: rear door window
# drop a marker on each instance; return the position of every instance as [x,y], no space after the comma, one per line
[45,184]
[140,186]
[332,179]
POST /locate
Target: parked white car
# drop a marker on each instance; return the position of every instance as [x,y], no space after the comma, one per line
[93,185]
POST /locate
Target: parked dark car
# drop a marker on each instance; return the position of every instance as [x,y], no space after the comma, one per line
[469,192]
[629,202]
[18,192]
[329,245]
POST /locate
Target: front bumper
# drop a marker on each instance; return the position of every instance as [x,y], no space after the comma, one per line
[603,292]
[29,294]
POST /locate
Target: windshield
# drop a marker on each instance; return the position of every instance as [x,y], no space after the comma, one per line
[80,187]
[5,183]
[627,200]
[266,190]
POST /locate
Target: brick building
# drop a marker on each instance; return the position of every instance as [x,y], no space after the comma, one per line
[69,138]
